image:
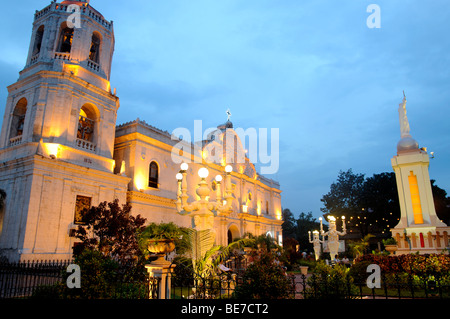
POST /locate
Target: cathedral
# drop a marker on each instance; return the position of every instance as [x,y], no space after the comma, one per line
[62,152]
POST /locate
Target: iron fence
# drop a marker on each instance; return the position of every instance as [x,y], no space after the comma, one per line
[46,279]
[21,279]
[189,285]
[391,286]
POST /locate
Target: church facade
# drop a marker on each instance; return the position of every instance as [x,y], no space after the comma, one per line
[61,150]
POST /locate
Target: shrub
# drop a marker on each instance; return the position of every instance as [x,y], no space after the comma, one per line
[104,278]
[265,278]
[330,282]
[414,264]
[389,241]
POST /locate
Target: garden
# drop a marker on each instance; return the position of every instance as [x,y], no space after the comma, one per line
[115,246]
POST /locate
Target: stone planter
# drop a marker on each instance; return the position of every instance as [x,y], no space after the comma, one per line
[391,249]
[160,247]
[304,270]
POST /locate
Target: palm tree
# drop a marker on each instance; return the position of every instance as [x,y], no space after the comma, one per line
[206,257]
[360,247]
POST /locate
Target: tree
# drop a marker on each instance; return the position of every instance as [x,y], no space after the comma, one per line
[297,229]
[344,197]
[441,202]
[198,246]
[289,224]
[371,205]
[359,248]
[306,222]
[112,230]
[380,204]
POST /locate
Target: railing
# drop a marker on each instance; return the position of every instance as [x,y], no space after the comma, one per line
[15,140]
[34,58]
[86,145]
[189,285]
[393,286]
[25,279]
[21,279]
[86,10]
[93,65]
[62,56]
[45,279]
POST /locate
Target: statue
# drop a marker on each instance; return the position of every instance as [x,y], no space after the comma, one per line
[316,242]
[228,115]
[404,124]
[333,235]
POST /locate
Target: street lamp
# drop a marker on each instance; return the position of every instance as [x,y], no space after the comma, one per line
[333,235]
[204,210]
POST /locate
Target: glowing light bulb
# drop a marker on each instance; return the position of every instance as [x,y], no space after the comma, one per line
[203,172]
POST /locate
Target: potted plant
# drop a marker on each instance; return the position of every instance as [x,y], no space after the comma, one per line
[159,239]
[390,245]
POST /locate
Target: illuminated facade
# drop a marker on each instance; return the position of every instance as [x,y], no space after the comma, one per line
[146,154]
[61,151]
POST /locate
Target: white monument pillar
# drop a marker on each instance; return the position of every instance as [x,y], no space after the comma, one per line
[419,228]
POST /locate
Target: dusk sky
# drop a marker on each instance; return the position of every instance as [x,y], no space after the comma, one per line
[313,69]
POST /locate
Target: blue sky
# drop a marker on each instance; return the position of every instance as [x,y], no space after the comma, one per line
[313,69]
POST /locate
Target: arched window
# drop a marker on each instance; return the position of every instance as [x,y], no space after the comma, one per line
[86,124]
[38,41]
[94,53]
[18,119]
[153,175]
[65,39]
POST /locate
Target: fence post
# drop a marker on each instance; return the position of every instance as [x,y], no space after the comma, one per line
[164,272]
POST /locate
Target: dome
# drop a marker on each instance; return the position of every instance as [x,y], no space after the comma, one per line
[407,144]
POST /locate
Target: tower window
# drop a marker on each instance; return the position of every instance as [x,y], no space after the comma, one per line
[153,175]
[94,53]
[86,123]
[38,40]
[18,118]
[65,39]
[267,207]
[85,127]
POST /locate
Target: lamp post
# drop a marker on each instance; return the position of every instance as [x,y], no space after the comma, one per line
[316,242]
[203,210]
[333,235]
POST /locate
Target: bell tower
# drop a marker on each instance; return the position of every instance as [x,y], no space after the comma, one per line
[63,95]
[57,137]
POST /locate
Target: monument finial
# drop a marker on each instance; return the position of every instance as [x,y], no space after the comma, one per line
[228,114]
[404,124]
[406,142]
